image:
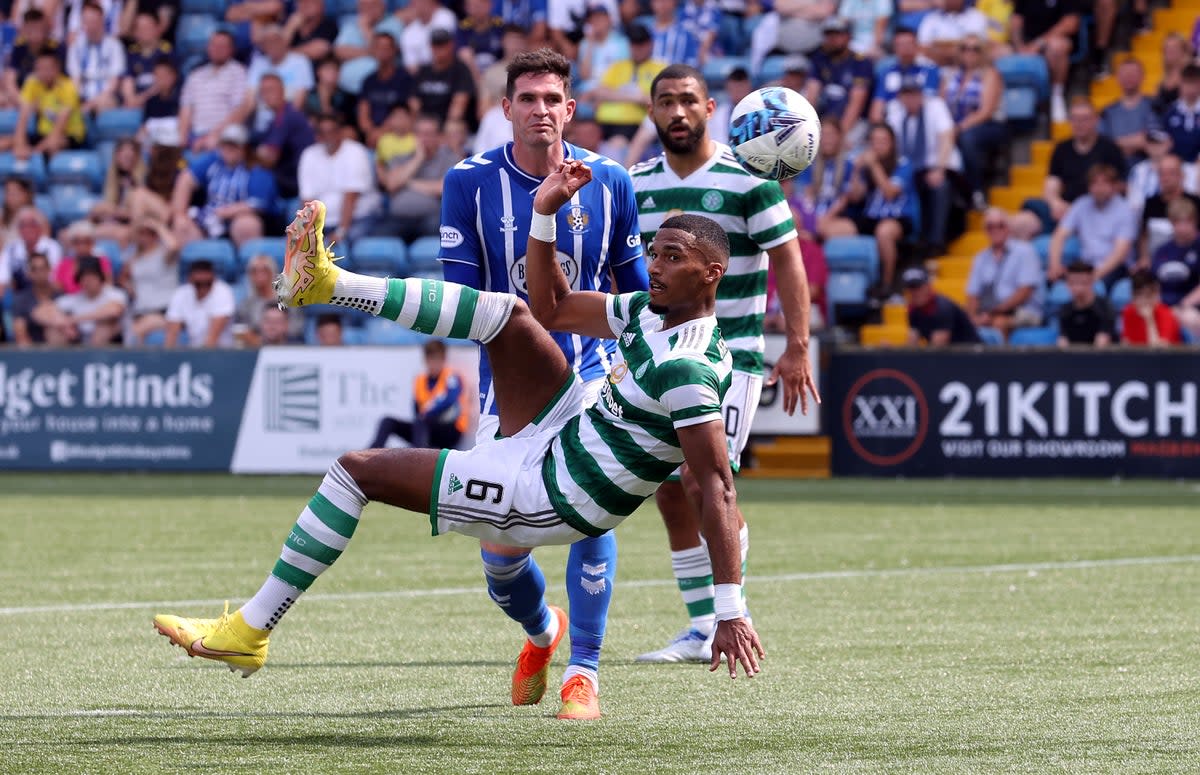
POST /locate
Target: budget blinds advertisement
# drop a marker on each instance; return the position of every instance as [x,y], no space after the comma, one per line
[1088,414]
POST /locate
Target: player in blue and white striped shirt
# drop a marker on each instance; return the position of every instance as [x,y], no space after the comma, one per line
[487,206]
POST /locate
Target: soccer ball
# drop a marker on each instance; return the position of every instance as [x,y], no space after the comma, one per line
[774,133]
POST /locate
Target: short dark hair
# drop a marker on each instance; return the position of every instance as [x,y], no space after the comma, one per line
[1143,279]
[327,318]
[514,29]
[1190,72]
[903,30]
[33,15]
[48,54]
[1102,170]
[38,257]
[93,6]
[329,116]
[88,265]
[705,230]
[391,38]
[1079,266]
[434,347]
[678,72]
[202,265]
[538,62]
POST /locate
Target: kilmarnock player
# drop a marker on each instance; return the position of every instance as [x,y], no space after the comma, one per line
[696,174]
[486,210]
[579,472]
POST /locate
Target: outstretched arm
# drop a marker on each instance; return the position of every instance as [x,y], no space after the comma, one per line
[551,300]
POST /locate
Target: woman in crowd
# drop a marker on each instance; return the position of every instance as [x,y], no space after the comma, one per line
[247,319]
[150,276]
[79,239]
[974,92]
[126,174]
[18,194]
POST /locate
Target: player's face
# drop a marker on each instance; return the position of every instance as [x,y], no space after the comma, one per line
[539,109]
[679,269]
[680,112]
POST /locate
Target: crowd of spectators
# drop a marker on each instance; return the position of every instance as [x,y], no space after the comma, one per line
[366,106]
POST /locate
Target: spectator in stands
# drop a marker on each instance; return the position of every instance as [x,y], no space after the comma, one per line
[673,41]
[214,94]
[309,31]
[603,45]
[96,62]
[737,86]
[882,182]
[141,55]
[51,97]
[456,138]
[999,17]
[327,96]
[944,30]
[426,16]
[245,16]
[338,172]
[33,236]
[974,93]
[236,198]
[1177,54]
[933,318]
[397,139]
[150,276]
[440,412]
[566,23]
[1182,119]
[329,330]
[494,128]
[1130,120]
[479,39]
[125,177]
[273,326]
[260,277]
[586,133]
[92,315]
[414,184]
[160,113]
[841,80]
[80,241]
[443,88]
[356,32]
[908,63]
[1104,225]
[820,192]
[34,304]
[202,308]
[793,27]
[34,39]
[1156,227]
[1070,166]
[1176,264]
[1006,288]
[1087,319]
[285,136]
[18,194]
[531,15]
[1146,320]
[1143,181]
[925,131]
[272,57]
[869,25]
[702,18]
[382,89]
[623,94]
[71,17]
[1048,27]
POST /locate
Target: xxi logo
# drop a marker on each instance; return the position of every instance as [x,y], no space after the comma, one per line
[885,417]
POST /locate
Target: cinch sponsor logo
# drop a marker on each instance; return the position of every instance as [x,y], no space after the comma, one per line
[117,385]
[885,417]
[292,398]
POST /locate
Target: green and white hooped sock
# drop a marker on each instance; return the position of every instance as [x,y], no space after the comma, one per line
[315,542]
[426,306]
[693,574]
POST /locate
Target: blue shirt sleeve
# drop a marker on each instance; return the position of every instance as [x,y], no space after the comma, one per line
[463,274]
[626,244]
[459,239]
[631,276]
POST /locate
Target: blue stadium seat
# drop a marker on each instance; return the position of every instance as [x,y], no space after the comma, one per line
[354,72]
[45,203]
[341,7]
[1021,107]
[271,246]
[72,202]
[220,252]
[853,254]
[110,249]
[1043,336]
[717,69]
[33,168]
[8,121]
[116,124]
[384,255]
[423,257]
[1025,70]
[990,336]
[214,8]
[81,167]
[772,70]
[193,32]
[846,289]
[380,331]
[1121,294]
[1071,253]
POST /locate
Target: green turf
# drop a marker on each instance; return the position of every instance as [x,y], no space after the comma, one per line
[931,627]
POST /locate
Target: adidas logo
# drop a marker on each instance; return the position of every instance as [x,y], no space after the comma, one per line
[628,338]
[649,202]
[454,485]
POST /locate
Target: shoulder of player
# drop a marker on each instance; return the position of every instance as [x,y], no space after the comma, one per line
[646,167]
[479,164]
[599,163]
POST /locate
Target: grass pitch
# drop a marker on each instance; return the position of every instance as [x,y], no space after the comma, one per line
[932,627]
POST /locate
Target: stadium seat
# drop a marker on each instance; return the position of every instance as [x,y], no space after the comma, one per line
[72,202]
[846,289]
[1071,253]
[8,121]
[382,255]
[1043,336]
[341,7]
[1021,107]
[853,254]
[1121,294]
[717,69]
[354,72]
[772,70]
[381,331]
[220,252]
[193,32]
[423,257]
[990,336]
[110,249]
[214,8]
[33,168]
[116,124]
[271,246]
[1025,70]
[81,167]
[45,203]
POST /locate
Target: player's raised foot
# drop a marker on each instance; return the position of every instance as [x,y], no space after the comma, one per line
[308,275]
[579,700]
[227,639]
[690,645]
[533,666]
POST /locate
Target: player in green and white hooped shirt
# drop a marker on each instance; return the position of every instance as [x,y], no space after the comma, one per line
[577,472]
[696,174]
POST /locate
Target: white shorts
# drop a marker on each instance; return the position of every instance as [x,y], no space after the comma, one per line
[737,412]
[495,492]
[488,428]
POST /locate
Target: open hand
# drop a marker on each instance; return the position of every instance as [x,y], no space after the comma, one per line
[562,184]
[738,641]
[796,372]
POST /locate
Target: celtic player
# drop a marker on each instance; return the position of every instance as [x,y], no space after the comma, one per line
[696,174]
[581,473]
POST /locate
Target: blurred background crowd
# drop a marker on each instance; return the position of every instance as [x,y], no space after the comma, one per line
[1018,171]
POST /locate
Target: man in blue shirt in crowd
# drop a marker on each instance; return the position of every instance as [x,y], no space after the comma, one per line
[1182,119]
[237,198]
[840,83]
[907,63]
[284,137]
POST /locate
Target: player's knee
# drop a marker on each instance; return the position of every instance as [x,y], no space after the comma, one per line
[358,465]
